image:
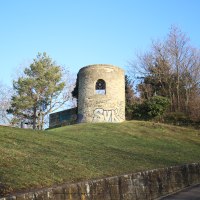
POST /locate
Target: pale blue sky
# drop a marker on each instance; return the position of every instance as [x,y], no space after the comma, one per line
[76,33]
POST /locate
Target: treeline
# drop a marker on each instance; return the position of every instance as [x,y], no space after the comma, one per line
[169,74]
[162,84]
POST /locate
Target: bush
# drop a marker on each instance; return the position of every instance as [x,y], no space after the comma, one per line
[149,109]
[129,111]
[177,118]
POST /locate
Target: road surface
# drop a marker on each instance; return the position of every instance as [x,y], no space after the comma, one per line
[192,193]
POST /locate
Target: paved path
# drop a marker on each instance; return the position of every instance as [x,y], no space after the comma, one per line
[186,194]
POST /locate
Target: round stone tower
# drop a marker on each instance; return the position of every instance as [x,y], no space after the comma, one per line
[101,96]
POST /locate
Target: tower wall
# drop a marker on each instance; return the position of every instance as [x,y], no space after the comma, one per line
[108,107]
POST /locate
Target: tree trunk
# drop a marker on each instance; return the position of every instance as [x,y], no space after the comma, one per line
[42,122]
[34,117]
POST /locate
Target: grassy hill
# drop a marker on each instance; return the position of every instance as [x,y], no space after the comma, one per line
[34,159]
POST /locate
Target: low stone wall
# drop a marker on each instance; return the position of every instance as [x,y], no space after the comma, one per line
[150,184]
[63,118]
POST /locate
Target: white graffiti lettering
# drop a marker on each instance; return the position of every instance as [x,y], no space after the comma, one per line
[101,115]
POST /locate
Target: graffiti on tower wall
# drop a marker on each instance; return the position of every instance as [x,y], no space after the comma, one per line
[101,115]
[109,115]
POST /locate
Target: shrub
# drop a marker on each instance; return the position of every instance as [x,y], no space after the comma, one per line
[151,108]
[178,118]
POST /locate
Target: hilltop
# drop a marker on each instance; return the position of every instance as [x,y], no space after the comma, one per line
[34,159]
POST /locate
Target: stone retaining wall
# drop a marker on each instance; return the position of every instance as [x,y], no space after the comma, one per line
[150,184]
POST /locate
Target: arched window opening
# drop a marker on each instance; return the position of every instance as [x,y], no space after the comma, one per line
[100,87]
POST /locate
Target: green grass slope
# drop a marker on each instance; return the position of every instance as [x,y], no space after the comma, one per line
[33,159]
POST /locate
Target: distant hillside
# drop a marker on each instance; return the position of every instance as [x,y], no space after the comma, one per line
[33,159]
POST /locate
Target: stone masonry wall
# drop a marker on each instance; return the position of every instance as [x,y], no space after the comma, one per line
[94,107]
[63,118]
[148,185]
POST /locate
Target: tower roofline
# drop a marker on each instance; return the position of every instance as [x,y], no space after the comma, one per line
[101,65]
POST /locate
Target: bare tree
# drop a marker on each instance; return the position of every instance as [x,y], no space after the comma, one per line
[5,98]
[64,100]
[182,59]
[171,68]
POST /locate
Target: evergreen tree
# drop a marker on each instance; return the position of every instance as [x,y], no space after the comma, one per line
[37,93]
[129,97]
[75,90]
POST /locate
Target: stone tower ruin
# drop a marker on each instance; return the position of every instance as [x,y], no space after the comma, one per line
[101,96]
